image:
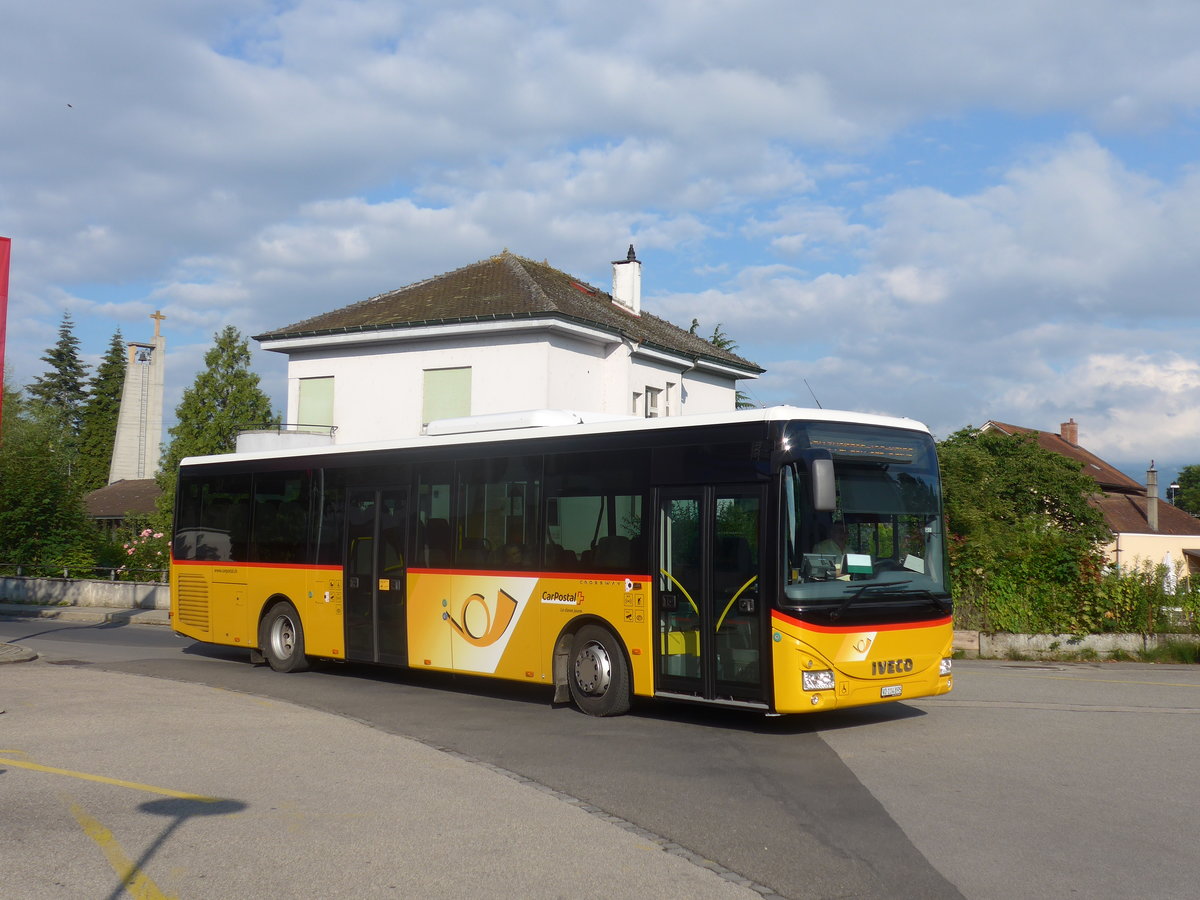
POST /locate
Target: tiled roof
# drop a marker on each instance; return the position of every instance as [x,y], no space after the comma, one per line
[1111,480]
[507,287]
[1121,500]
[123,498]
[1126,513]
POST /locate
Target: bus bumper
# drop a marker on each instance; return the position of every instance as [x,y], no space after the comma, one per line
[825,669]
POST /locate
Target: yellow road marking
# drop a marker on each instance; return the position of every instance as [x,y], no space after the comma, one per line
[133,879]
[149,788]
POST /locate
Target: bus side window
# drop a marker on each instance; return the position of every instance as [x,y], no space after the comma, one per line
[280,507]
[433,516]
[498,502]
[329,506]
[212,518]
[596,512]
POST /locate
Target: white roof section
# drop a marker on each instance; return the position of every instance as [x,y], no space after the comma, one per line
[533,424]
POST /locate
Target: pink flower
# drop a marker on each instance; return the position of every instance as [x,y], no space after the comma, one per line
[129,552]
[158,534]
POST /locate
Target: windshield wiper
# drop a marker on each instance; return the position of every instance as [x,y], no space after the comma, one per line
[871,587]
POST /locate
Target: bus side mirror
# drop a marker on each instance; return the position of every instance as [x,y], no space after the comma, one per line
[824,489]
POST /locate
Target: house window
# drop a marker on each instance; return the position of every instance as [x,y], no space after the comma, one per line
[669,399]
[316,402]
[637,404]
[446,394]
[653,403]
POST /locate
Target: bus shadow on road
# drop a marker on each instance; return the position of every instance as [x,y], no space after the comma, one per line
[218,651]
[761,723]
[478,688]
[486,689]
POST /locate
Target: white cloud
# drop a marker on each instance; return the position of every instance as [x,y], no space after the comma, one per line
[247,163]
[1032,300]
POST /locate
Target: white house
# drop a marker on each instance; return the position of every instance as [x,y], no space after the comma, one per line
[501,335]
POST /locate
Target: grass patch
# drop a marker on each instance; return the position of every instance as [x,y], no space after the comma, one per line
[1182,652]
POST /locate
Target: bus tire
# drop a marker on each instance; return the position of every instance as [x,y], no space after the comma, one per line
[598,673]
[281,639]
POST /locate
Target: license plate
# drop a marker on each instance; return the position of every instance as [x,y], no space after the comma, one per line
[892,690]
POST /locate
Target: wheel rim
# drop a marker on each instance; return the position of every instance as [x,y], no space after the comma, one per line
[593,669]
[283,637]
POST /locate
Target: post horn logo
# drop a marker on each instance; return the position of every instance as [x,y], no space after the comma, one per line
[479,626]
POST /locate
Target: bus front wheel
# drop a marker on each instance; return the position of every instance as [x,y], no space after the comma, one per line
[281,639]
[599,673]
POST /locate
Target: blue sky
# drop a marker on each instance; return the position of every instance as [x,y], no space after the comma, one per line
[952,211]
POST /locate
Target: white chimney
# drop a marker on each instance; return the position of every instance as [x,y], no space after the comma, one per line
[627,282]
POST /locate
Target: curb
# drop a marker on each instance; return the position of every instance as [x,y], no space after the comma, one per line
[15,653]
[86,614]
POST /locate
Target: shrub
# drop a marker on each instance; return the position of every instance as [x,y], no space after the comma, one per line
[147,555]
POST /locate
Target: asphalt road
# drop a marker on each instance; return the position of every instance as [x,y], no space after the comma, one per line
[1027,781]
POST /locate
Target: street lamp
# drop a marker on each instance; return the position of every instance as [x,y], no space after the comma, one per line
[1172,490]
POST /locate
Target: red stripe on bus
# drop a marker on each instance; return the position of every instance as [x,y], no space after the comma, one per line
[852,629]
[569,576]
[212,563]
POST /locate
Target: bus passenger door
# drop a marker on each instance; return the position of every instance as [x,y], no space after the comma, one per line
[376,575]
[707,593]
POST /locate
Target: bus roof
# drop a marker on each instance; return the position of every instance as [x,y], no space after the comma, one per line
[534,424]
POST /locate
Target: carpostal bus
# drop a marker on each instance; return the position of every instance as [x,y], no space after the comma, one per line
[784,560]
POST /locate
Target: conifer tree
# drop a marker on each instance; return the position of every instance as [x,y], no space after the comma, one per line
[98,425]
[59,395]
[224,399]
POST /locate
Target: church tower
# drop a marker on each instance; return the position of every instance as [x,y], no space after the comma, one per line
[139,423]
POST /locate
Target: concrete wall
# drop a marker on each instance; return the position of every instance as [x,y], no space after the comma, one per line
[1034,646]
[73,592]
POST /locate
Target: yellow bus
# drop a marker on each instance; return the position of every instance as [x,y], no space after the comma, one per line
[783,560]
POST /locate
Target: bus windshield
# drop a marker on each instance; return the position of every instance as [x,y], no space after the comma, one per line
[883,544]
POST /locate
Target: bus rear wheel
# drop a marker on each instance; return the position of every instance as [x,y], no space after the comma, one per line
[599,673]
[281,639]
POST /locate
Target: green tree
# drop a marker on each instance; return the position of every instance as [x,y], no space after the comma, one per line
[42,520]
[98,420]
[1188,496]
[59,395]
[722,341]
[1023,536]
[224,399]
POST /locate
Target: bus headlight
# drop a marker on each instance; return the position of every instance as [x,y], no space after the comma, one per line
[944,667]
[820,680]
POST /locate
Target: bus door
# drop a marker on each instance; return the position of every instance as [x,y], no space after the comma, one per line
[707,597]
[375,575]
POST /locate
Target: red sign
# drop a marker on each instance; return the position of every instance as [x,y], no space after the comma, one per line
[5,252]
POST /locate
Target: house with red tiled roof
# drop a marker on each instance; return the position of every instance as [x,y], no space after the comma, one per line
[504,334]
[1145,529]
